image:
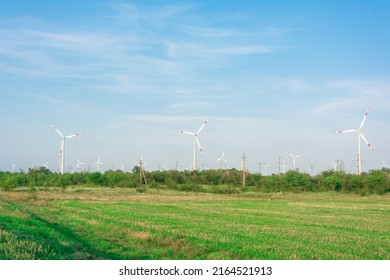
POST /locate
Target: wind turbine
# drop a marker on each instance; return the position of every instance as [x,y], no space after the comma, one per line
[78,165]
[62,150]
[335,165]
[13,166]
[294,158]
[46,165]
[360,135]
[222,160]
[98,163]
[196,141]
[164,167]
[384,165]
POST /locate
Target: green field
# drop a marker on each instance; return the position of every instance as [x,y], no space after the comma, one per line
[121,223]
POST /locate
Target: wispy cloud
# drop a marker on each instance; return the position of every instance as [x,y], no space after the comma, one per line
[200,49]
[134,56]
[350,97]
[126,12]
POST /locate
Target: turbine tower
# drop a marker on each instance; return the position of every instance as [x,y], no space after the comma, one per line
[196,142]
[243,164]
[62,150]
[360,135]
[294,158]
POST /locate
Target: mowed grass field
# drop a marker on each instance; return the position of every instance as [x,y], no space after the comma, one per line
[114,223]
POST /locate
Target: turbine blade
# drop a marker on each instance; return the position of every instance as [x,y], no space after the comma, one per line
[200,148]
[203,125]
[185,132]
[364,119]
[291,155]
[59,132]
[73,135]
[298,156]
[365,140]
[346,131]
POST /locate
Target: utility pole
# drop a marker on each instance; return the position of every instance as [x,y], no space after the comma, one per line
[243,169]
[141,172]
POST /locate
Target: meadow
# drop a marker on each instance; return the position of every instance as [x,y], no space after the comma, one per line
[123,223]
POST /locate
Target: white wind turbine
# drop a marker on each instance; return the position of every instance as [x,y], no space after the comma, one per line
[46,165]
[223,161]
[98,163]
[196,142]
[335,165]
[360,135]
[164,167]
[294,158]
[384,165]
[13,166]
[62,150]
[78,165]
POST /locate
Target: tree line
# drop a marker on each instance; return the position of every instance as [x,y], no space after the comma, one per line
[214,181]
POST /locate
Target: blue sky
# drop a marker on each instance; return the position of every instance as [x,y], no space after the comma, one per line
[273,77]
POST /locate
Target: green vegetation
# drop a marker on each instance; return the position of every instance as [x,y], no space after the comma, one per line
[123,223]
[194,215]
[208,181]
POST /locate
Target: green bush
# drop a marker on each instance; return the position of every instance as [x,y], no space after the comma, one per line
[215,181]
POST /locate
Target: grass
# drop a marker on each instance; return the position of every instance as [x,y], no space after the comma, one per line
[112,223]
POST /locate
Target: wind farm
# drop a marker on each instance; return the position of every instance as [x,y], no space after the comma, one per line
[275,167]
